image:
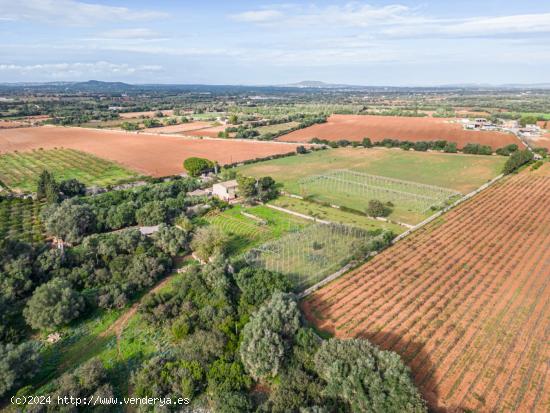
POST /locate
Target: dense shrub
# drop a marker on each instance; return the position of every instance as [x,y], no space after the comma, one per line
[477,149]
[209,241]
[53,304]
[72,187]
[378,209]
[70,221]
[269,335]
[507,150]
[516,160]
[17,363]
[197,166]
[257,285]
[171,240]
[366,378]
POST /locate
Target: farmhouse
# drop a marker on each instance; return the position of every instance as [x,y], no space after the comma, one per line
[225,190]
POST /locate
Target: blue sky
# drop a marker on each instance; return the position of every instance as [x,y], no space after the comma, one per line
[254,42]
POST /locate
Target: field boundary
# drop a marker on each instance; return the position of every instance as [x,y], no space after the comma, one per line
[347,267]
[390,221]
[325,281]
[448,208]
[177,136]
[300,215]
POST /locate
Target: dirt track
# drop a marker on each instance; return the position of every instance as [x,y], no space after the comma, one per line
[357,127]
[147,153]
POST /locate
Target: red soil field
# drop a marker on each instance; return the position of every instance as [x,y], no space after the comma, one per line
[357,127]
[150,154]
[184,127]
[465,301]
[542,141]
[209,132]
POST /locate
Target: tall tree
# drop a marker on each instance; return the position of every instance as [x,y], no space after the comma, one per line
[367,378]
[269,335]
[47,187]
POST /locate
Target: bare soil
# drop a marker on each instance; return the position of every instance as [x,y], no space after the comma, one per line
[357,127]
[147,153]
[184,127]
[465,301]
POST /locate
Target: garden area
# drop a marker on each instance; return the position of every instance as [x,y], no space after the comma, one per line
[20,219]
[20,170]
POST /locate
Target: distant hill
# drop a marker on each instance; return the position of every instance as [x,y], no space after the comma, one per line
[306,86]
[315,84]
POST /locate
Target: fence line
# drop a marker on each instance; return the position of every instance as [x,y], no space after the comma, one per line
[297,214]
[347,267]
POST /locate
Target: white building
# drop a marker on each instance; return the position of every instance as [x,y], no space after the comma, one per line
[225,190]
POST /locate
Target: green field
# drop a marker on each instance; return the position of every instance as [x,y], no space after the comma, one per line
[245,232]
[308,255]
[338,216]
[95,337]
[206,116]
[19,219]
[460,173]
[276,128]
[20,170]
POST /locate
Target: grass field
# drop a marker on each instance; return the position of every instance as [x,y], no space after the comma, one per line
[411,202]
[95,337]
[20,170]
[335,215]
[308,255]
[276,128]
[245,232]
[462,173]
[19,219]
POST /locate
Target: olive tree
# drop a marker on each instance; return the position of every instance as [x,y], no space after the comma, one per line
[17,363]
[171,240]
[378,209]
[209,241]
[53,304]
[69,221]
[367,378]
[268,335]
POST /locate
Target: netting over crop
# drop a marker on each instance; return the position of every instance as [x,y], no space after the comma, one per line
[343,185]
[310,254]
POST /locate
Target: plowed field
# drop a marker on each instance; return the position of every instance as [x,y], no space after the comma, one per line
[150,154]
[465,301]
[357,127]
[210,132]
[182,127]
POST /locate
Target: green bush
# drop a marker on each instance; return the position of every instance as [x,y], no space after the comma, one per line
[516,160]
[197,166]
[367,378]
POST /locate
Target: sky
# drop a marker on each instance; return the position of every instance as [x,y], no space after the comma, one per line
[399,43]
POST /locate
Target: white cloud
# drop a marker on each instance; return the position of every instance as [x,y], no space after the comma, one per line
[257,16]
[353,14]
[78,69]
[395,20]
[135,33]
[483,26]
[70,12]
